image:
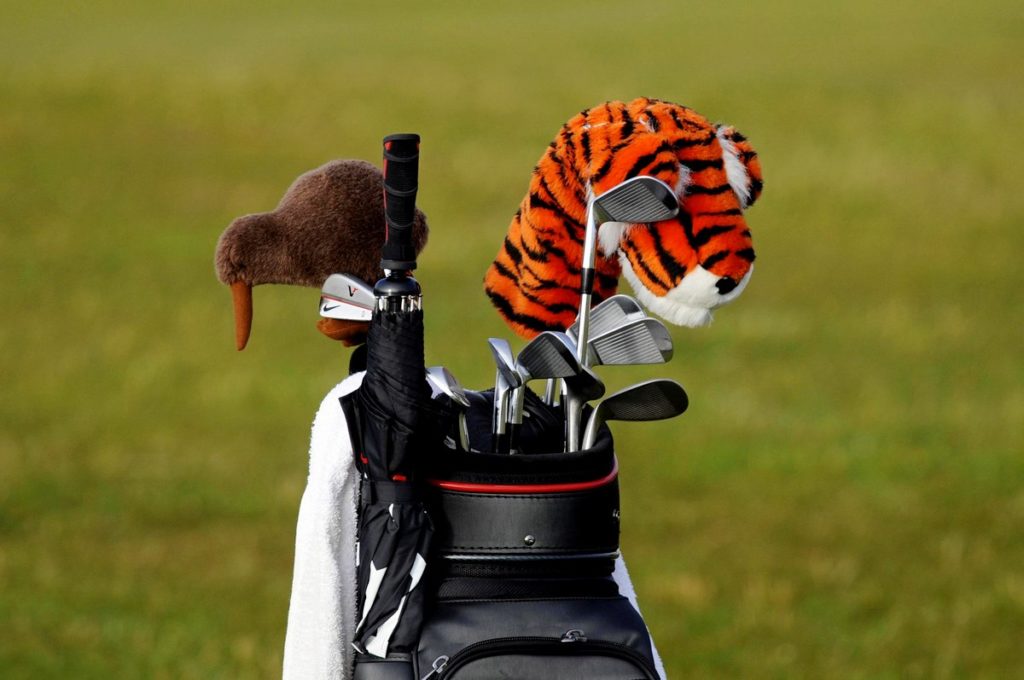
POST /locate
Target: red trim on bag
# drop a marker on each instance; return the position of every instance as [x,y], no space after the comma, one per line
[471,487]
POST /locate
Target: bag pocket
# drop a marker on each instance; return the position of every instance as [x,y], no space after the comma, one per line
[573,655]
[555,639]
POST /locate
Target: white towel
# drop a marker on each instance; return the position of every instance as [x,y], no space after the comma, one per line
[322,614]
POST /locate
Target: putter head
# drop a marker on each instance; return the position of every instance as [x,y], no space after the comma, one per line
[550,354]
[608,314]
[344,296]
[637,200]
[641,341]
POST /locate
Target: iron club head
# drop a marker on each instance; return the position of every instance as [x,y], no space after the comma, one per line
[650,400]
[641,341]
[637,200]
[506,379]
[608,314]
[550,354]
[344,296]
[443,382]
[640,199]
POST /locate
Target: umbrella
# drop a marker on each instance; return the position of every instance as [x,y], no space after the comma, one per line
[391,414]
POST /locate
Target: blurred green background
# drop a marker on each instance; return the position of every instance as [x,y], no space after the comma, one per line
[845,497]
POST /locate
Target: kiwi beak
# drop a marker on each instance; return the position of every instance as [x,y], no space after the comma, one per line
[241,295]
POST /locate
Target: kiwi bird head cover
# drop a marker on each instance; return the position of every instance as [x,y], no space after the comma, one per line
[330,220]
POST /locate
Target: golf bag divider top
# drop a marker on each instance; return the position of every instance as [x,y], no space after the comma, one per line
[519,584]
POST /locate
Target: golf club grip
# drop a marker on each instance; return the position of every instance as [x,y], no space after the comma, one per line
[401,171]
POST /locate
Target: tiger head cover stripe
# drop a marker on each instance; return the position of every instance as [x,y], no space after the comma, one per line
[680,268]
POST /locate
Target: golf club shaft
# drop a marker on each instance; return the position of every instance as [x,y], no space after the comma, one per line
[573,405]
[552,392]
[587,286]
[499,430]
[573,415]
[463,432]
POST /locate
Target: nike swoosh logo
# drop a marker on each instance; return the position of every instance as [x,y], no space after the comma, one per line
[327,309]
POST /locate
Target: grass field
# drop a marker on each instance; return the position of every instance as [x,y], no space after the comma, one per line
[845,497]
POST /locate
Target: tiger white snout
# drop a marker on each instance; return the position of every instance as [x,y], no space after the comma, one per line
[689,303]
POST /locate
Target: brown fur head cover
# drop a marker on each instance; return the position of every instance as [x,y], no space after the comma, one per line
[331,220]
[680,268]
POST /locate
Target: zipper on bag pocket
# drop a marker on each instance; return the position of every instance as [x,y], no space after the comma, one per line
[572,643]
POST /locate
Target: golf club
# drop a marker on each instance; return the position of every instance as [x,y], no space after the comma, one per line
[650,400]
[442,381]
[344,296]
[637,200]
[606,315]
[506,379]
[550,354]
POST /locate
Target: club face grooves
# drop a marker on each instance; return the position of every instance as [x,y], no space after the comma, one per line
[643,341]
[549,355]
[637,200]
[651,400]
[609,314]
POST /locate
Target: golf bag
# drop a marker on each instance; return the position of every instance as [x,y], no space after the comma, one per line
[523,579]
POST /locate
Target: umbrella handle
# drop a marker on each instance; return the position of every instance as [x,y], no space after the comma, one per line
[401,180]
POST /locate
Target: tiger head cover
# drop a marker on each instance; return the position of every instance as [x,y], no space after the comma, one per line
[680,268]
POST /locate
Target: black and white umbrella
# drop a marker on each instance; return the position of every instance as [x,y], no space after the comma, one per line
[390,426]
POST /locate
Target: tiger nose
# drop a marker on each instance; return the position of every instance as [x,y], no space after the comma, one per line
[725,285]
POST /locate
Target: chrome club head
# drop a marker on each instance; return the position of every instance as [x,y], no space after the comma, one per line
[550,354]
[344,296]
[443,382]
[650,400]
[610,313]
[506,379]
[637,200]
[641,341]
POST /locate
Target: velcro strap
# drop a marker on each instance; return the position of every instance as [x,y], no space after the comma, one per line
[526,524]
[388,492]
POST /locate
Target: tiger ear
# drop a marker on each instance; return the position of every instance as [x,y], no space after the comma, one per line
[741,164]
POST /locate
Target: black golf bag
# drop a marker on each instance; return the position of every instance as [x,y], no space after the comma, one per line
[520,579]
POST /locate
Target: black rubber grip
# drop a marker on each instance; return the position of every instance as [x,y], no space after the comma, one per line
[401,171]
